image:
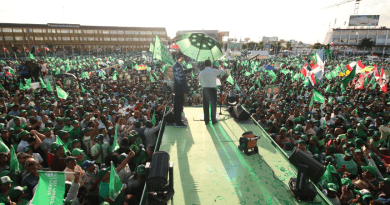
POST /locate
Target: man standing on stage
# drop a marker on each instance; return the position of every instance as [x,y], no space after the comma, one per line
[180,88]
[207,79]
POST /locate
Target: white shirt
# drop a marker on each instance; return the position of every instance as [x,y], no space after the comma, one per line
[22,145]
[208,77]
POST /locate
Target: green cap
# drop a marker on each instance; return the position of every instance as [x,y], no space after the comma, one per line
[103,172]
[141,169]
[314,138]
[351,131]
[371,169]
[55,146]
[385,180]
[77,151]
[66,119]
[329,159]
[100,136]
[329,136]
[16,191]
[58,119]
[332,187]
[298,128]
[304,137]
[348,153]
[75,141]
[359,142]
[301,142]
[62,133]
[75,122]
[346,181]
[24,132]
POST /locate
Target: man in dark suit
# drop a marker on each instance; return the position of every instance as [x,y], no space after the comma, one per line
[180,88]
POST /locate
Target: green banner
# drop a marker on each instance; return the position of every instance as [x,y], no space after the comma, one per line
[51,189]
[161,52]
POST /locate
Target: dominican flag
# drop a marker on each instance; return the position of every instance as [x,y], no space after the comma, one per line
[38,50]
[307,72]
[331,43]
[383,81]
[376,73]
[47,49]
[318,65]
[175,46]
[359,66]
[5,50]
[25,49]
[360,83]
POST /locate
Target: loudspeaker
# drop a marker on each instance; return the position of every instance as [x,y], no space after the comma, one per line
[240,113]
[170,117]
[232,99]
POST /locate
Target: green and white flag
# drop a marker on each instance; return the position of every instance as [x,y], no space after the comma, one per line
[115,145]
[317,97]
[230,80]
[154,118]
[116,185]
[42,82]
[151,47]
[14,163]
[236,87]
[50,189]
[60,142]
[247,74]
[151,78]
[162,53]
[48,86]
[61,93]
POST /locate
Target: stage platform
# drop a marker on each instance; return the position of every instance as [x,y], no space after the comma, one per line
[209,168]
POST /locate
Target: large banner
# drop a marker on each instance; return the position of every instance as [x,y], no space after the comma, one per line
[236,46]
[363,20]
[50,189]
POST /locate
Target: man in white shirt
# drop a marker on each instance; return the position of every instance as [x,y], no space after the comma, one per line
[207,79]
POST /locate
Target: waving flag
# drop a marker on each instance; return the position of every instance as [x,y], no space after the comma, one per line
[318,64]
[47,49]
[5,50]
[359,66]
[383,81]
[50,189]
[360,83]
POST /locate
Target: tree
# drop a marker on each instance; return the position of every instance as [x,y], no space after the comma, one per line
[367,43]
[251,45]
[260,45]
[289,46]
[244,46]
[318,46]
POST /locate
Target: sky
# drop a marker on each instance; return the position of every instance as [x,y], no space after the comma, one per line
[302,20]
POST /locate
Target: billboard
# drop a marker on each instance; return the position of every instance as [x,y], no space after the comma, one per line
[234,46]
[247,39]
[224,33]
[363,20]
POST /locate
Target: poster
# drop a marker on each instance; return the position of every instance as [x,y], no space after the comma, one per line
[272,93]
[364,20]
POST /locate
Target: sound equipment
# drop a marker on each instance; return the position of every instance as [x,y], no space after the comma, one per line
[232,100]
[169,116]
[240,113]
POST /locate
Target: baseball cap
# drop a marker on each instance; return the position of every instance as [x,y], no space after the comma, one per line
[86,164]
[55,146]
[77,151]
[141,169]
[346,181]
[100,136]
[5,180]
[102,172]
[28,148]
[122,156]
[329,159]
[332,187]
[385,180]
[75,141]
[17,191]
[301,142]
[371,169]
[62,133]
[332,169]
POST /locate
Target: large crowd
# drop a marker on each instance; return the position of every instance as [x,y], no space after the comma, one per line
[117,102]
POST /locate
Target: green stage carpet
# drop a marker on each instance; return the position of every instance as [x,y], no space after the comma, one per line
[209,168]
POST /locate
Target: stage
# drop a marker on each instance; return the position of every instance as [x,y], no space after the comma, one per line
[210,169]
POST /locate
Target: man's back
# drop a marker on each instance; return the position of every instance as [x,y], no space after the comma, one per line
[208,77]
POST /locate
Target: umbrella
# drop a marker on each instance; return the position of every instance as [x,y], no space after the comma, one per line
[269,67]
[199,46]
[65,75]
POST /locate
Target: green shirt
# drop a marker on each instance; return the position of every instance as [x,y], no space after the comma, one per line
[4,198]
[22,126]
[313,150]
[75,133]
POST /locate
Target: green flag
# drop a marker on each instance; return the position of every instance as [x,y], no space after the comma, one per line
[247,73]
[327,176]
[61,93]
[161,52]
[42,82]
[151,47]
[84,75]
[114,77]
[21,86]
[151,78]
[14,163]
[60,142]
[230,80]
[306,82]
[317,97]
[1,87]
[115,145]
[48,86]
[258,83]
[328,90]
[67,67]
[50,189]
[30,56]
[116,185]
[236,87]
[101,75]
[82,89]
[348,79]
[154,118]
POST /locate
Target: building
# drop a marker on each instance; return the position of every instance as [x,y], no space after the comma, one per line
[79,37]
[270,39]
[215,34]
[349,39]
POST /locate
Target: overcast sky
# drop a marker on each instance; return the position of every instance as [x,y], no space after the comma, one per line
[300,19]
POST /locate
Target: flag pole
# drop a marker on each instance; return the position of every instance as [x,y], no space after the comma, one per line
[24,50]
